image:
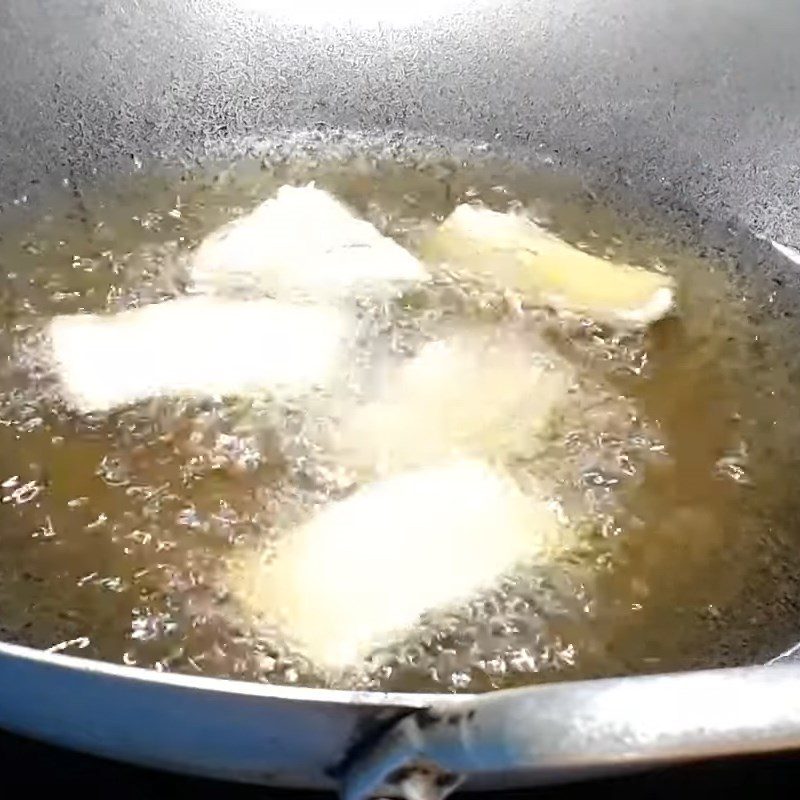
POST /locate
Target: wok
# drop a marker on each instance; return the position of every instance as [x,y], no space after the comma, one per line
[691,107]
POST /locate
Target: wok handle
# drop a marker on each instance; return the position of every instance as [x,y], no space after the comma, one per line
[563,731]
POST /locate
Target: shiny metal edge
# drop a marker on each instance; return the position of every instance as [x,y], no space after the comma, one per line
[408,700]
[207,727]
[317,738]
[566,731]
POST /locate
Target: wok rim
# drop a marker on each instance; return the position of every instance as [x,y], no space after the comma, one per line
[247,688]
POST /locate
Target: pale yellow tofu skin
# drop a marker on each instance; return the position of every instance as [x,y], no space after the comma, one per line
[360,573]
[472,394]
[194,347]
[519,254]
[303,242]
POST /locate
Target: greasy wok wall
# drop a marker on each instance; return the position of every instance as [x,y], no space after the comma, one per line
[698,99]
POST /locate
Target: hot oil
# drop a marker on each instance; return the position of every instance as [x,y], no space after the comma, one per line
[117,529]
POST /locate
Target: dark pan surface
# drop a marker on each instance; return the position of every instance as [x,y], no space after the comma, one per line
[698,100]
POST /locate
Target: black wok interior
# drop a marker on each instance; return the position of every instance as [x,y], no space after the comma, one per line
[687,109]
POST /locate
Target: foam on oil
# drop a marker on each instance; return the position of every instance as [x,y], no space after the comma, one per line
[670,459]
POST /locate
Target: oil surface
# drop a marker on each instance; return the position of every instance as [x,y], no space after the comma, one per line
[116,531]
